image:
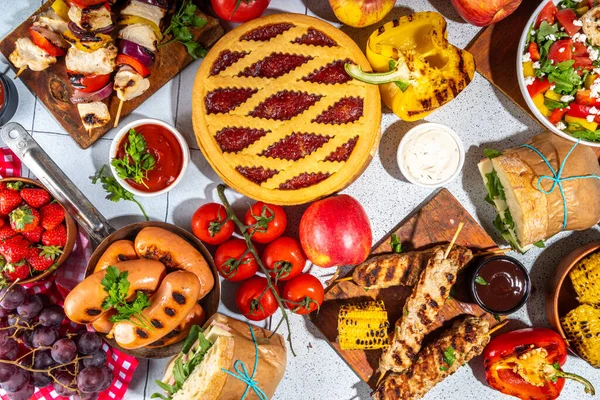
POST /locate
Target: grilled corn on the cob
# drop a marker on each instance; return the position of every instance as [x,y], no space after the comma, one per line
[582,327]
[586,279]
[363,326]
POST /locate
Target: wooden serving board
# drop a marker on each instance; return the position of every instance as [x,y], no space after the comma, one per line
[435,222]
[53,89]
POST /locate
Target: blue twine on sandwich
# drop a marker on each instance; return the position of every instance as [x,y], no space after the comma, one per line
[241,372]
[557,178]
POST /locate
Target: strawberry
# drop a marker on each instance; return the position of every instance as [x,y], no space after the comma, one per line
[35,197]
[24,219]
[15,249]
[16,271]
[2,185]
[55,237]
[43,258]
[9,200]
[2,222]
[6,232]
[34,236]
[51,216]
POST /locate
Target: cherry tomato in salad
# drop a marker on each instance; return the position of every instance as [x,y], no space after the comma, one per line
[583,62]
[231,262]
[534,51]
[547,14]
[239,10]
[303,294]
[566,17]
[43,43]
[561,50]
[285,257]
[270,221]
[254,301]
[579,49]
[208,224]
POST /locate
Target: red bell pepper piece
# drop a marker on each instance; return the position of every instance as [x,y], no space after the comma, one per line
[583,62]
[123,59]
[557,115]
[584,97]
[547,14]
[534,51]
[578,110]
[566,18]
[534,354]
[538,86]
[43,43]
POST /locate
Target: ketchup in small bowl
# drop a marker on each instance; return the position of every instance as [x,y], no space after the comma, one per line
[165,148]
[500,285]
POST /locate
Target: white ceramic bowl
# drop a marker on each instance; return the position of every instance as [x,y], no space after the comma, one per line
[521,78]
[145,121]
[417,129]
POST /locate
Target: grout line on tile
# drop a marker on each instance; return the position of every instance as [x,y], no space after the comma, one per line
[33,119]
[177,101]
[147,375]
[167,209]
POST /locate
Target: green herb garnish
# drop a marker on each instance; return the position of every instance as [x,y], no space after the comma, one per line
[116,284]
[480,281]
[497,318]
[396,244]
[449,357]
[137,161]
[180,29]
[491,153]
[115,191]
[494,187]
[540,244]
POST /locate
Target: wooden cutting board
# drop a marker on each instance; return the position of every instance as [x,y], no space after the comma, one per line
[435,222]
[53,90]
[495,51]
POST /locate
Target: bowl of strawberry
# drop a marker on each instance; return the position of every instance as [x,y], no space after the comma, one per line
[36,234]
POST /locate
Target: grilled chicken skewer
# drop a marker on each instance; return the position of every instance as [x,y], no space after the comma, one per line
[467,338]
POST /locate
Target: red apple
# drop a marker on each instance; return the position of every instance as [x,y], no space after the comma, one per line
[485,12]
[336,231]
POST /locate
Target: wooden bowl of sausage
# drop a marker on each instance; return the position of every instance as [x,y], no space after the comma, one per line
[153,254]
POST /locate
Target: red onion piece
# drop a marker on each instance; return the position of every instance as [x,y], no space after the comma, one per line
[158,3]
[81,97]
[140,53]
[87,35]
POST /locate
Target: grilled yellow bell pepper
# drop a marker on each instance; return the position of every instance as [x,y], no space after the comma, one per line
[96,42]
[61,9]
[134,19]
[417,69]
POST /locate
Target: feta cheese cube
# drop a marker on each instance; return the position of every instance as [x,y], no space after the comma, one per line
[526,57]
[537,65]
[561,125]
[590,118]
[578,22]
[567,99]
[529,80]
[594,53]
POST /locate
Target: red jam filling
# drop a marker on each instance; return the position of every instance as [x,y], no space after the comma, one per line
[295,146]
[257,175]
[234,139]
[315,38]
[304,180]
[330,74]
[348,109]
[285,105]
[275,65]
[227,99]
[267,32]
[226,59]
[342,153]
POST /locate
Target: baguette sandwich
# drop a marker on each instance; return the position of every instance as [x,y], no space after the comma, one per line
[526,215]
[198,372]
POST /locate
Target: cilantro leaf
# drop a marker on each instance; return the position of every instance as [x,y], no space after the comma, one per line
[137,161]
[396,244]
[116,284]
[540,244]
[115,191]
[449,357]
[480,281]
[491,153]
[180,29]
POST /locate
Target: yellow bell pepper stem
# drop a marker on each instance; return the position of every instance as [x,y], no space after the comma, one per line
[61,9]
[134,19]
[399,73]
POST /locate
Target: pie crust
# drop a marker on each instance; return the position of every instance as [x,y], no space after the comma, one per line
[276,115]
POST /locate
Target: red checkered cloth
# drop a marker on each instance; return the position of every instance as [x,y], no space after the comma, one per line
[56,287]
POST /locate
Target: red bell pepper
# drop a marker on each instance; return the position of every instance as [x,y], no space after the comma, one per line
[538,86]
[547,14]
[87,83]
[123,59]
[578,110]
[584,97]
[526,364]
[43,43]
[87,3]
[557,115]
[534,51]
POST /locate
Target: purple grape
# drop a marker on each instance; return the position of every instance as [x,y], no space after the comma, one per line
[52,316]
[4,335]
[41,379]
[64,350]
[31,307]
[7,371]
[4,312]
[66,379]
[94,379]
[27,337]
[25,393]
[45,299]
[89,342]
[43,359]
[17,321]
[14,297]
[10,350]
[17,381]
[98,359]
[44,336]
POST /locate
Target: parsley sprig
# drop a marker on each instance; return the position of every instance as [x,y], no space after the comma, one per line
[180,29]
[449,358]
[396,244]
[115,191]
[116,284]
[137,161]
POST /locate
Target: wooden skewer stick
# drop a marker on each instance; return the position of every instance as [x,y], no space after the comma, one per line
[498,327]
[20,71]
[380,379]
[118,114]
[497,251]
[346,279]
[460,226]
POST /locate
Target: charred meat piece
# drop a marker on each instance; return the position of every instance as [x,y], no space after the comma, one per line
[91,18]
[27,54]
[402,269]
[99,62]
[420,313]
[129,84]
[464,340]
[93,115]
[141,34]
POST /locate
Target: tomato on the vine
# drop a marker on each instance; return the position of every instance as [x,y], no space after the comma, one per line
[285,257]
[208,224]
[231,262]
[255,300]
[303,294]
[270,221]
[239,10]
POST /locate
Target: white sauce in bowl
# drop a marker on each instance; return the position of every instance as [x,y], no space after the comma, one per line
[430,154]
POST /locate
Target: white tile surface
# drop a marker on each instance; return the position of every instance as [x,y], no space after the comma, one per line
[481,115]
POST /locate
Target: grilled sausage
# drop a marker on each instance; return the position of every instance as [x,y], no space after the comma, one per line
[196,317]
[175,252]
[103,324]
[83,304]
[121,250]
[174,300]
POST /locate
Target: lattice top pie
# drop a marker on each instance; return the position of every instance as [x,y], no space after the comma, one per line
[277,116]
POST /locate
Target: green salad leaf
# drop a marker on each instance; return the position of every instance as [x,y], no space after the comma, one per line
[491,153]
